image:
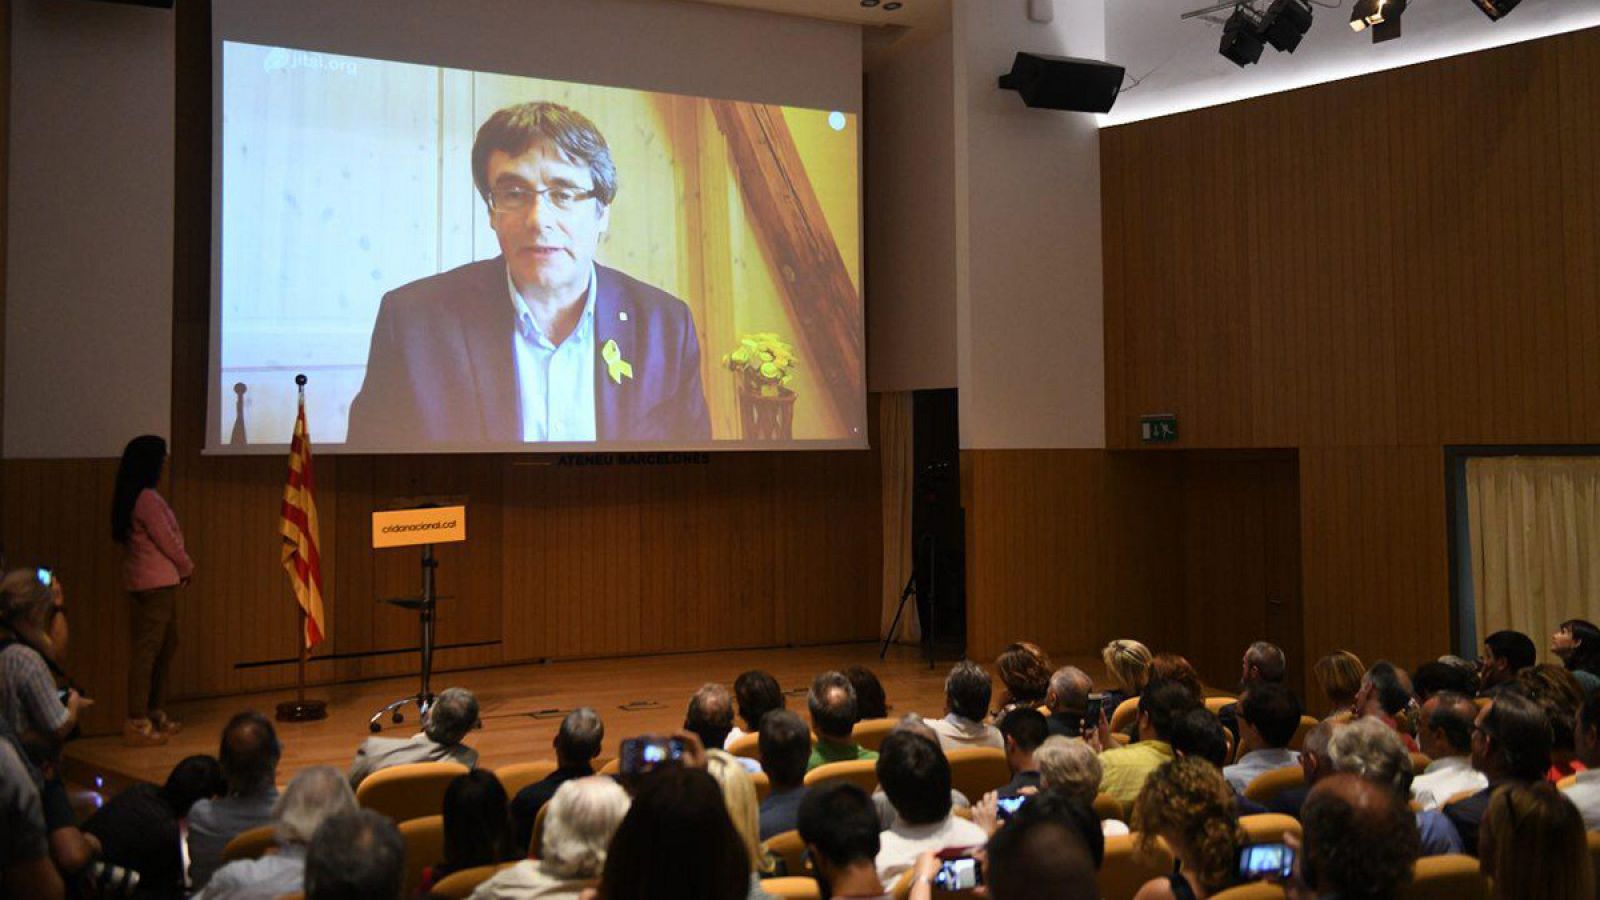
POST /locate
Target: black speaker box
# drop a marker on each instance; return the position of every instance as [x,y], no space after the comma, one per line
[159,4]
[1061,82]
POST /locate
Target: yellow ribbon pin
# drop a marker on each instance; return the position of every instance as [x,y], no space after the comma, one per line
[617,367]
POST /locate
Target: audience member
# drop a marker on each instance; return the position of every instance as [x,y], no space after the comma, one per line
[355,856]
[1198,732]
[1187,803]
[1314,764]
[676,843]
[452,716]
[1371,750]
[1386,695]
[1533,846]
[739,795]
[785,748]
[1178,669]
[138,829]
[710,715]
[1068,701]
[1338,676]
[1124,769]
[1262,662]
[25,866]
[1024,670]
[31,622]
[1050,848]
[870,701]
[583,815]
[1438,676]
[1585,790]
[1127,665]
[1560,695]
[1445,736]
[477,827]
[967,690]
[832,703]
[1505,653]
[912,723]
[1510,745]
[1577,644]
[757,694]
[312,796]
[914,774]
[840,831]
[577,743]
[1269,716]
[1071,767]
[1358,841]
[70,848]
[249,759]
[1023,729]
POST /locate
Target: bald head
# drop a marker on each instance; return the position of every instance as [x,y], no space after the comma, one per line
[1359,840]
[1069,691]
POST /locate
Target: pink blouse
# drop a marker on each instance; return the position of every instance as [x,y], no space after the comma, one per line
[155,556]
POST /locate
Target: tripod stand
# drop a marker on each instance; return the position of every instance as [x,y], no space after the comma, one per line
[424,605]
[926,595]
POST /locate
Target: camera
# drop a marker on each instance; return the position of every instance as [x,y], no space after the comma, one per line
[644,754]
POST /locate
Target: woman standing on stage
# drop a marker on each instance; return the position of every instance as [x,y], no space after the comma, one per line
[154,565]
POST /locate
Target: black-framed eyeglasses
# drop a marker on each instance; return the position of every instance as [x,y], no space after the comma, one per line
[518,199]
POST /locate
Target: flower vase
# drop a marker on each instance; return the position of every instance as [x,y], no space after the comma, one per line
[766,418]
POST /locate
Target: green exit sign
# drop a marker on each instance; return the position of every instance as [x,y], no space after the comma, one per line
[1158,429]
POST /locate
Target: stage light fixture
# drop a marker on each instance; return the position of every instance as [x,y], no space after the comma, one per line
[1382,16]
[1241,37]
[1496,9]
[1285,23]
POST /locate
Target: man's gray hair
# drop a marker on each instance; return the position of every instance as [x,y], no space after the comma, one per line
[583,817]
[1372,750]
[311,797]
[1069,765]
[453,713]
[1268,659]
[356,854]
[1070,686]
[580,735]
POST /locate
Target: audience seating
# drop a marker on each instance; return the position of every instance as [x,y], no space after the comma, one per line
[611,767]
[461,885]
[408,791]
[1447,878]
[424,840]
[1307,723]
[519,775]
[536,840]
[1268,828]
[1268,785]
[1255,890]
[1420,763]
[763,785]
[1125,870]
[795,887]
[1124,714]
[862,773]
[976,771]
[1567,782]
[1107,807]
[1594,849]
[252,844]
[1215,704]
[788,847]
[1482,701]
[870,733]
[747,745]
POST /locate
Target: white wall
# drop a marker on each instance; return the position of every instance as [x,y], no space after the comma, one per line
[88,360]
[910,216]
[1029,291]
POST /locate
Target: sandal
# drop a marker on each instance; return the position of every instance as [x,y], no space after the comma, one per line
[165,724]
[141,733]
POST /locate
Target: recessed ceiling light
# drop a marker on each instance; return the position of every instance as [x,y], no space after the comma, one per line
[869,3]
[892,5]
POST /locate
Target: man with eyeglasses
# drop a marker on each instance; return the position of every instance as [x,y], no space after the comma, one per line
[541,343]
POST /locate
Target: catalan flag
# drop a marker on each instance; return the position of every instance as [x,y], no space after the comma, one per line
[300,555]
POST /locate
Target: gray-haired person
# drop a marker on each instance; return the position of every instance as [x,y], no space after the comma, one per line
[452,716]
[311,798]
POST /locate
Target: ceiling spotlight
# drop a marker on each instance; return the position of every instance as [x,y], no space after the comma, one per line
[1285,23]
[1241,37]
[1496,9]
[892,5]
[869,3]
[1383,16]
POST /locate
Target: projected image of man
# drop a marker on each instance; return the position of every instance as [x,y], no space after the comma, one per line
[540,343]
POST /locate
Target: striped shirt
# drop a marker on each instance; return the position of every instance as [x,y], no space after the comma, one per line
[28,699]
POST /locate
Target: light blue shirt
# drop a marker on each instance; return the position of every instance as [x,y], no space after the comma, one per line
[555,383]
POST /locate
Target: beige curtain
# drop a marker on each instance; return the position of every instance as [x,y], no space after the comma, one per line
[1535,533]
[895,450]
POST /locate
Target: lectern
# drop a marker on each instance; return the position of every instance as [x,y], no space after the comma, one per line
[418,526]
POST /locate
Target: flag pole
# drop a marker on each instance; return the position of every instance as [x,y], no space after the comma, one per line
[300,709]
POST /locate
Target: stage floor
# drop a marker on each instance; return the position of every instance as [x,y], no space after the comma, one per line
[521,706]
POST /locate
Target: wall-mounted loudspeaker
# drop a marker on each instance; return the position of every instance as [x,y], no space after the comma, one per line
[1060,82]
[160,4]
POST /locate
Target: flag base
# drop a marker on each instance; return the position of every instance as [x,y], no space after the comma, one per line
[302,710]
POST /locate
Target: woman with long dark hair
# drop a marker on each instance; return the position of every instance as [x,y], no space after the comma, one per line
[154,565]
[1577,643]
[477,827]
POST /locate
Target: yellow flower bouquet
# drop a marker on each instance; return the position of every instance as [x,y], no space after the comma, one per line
[764,364]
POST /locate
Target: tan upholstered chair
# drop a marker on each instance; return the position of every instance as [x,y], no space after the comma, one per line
[1255,890]
[763,785]
[1453,877]
[460,885]
[1125,870]
[1299,740]
[1420,763]
[792,887]
[1215,704]
[536,840]
[424,840]
[1567,782]
[517,776]
[1125,713]
[252,844]
[746,745]
[410,791]
[975,771]
[611,767]
[1107,807]
[1268,785]
[869,733]
[788,847]
[1268,828]
[862,773]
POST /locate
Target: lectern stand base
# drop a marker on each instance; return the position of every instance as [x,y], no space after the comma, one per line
[302,710]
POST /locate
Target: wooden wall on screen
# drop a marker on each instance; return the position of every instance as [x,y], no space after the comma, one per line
[1368,271]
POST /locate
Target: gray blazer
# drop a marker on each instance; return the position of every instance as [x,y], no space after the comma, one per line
[379,753]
